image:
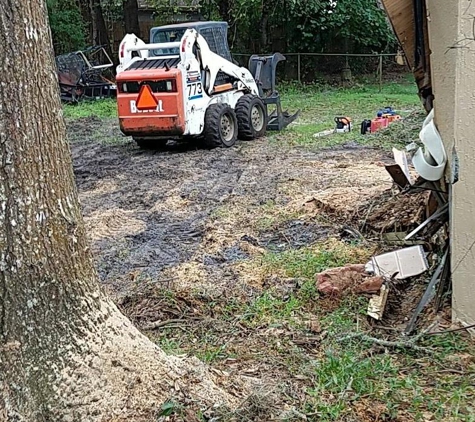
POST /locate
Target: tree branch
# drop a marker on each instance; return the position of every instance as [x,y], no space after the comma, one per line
[409,343]
[394,344]
[436,333]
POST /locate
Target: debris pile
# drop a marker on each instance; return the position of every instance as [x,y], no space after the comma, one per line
[376,277]
[391,212]
[409,223]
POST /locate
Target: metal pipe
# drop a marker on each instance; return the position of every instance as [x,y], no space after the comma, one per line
[330,54]
[299,67]
[155,46]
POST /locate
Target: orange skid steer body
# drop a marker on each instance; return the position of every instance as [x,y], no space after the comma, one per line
[150,103]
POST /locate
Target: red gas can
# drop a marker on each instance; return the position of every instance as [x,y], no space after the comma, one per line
[379,123]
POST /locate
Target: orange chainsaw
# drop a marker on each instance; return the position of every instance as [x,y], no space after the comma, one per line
[343,124]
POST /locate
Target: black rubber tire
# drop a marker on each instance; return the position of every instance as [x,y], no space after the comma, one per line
[246,106]
[221,127]
[150,143]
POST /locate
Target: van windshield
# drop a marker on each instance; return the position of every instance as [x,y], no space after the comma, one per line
[171,35]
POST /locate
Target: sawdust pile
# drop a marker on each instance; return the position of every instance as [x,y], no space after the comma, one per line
[113,223]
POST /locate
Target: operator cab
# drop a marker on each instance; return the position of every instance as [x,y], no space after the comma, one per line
[215,34]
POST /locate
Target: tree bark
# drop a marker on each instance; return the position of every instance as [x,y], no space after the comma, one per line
[86,12]
[263,28]
[224,10]
[66,352]
[131,17]
[100,34]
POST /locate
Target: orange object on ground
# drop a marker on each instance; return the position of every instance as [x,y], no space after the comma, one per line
[379,123]
[393,117]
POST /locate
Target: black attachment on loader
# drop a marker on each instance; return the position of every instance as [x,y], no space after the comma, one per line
[263,68]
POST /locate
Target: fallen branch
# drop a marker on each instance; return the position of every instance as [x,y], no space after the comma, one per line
[180,321]
[436,333]
[452,371]
[158,324]
[403,344]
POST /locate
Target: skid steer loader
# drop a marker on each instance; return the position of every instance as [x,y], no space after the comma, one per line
[185,85]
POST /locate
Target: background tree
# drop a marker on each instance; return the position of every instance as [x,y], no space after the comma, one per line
[66,352]
[131,17]
[68,27]
[100,35]
[78,23]
[355,26]
[303,25]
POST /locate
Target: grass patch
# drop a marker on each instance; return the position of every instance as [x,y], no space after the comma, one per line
[304,263]
[319,106]
[99,108]
[169,345]
[355,380]
[273,308]
[358,380]
[270,311]
[342,373]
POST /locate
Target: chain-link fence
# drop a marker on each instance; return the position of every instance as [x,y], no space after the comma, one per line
[314,67]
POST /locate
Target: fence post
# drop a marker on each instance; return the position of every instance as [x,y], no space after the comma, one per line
[380,73]
[298,67]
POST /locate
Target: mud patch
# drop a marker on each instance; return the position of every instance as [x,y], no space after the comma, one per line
[113,224]
[294,234]
[231,254]
[184,212]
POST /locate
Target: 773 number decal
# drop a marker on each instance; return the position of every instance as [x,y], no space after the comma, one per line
[195,89]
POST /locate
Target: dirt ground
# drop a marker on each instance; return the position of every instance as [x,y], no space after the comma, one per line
[159,214]
[204,249]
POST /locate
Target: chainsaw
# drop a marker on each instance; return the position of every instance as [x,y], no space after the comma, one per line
[343,124]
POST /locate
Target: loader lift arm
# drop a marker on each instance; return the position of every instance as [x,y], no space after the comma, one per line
[195,47]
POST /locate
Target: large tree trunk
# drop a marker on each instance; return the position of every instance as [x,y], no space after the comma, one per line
[131,17]
[66,352]
[224,10]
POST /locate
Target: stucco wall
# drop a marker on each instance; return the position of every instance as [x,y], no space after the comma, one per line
[453,79]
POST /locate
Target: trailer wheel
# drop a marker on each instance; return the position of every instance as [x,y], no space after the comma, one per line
[221,128]
[252,117]
[150,143]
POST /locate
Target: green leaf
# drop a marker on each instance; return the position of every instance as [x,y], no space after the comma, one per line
[168,408]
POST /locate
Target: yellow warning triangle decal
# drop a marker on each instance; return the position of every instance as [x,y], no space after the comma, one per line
[146,100]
